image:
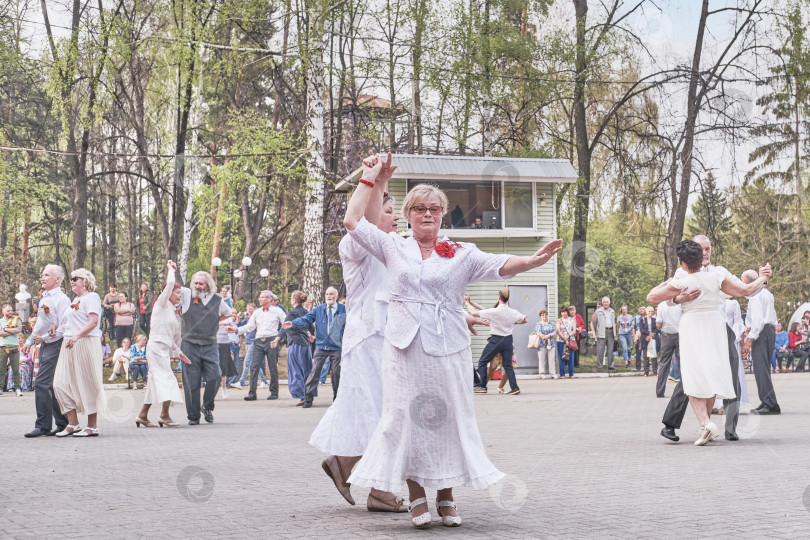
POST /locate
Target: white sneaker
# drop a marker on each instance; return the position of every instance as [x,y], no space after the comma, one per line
[236,385]
[112,378]
[263,385]
[19,392]
[224,393]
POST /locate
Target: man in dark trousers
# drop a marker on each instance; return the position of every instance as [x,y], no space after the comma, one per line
[330,320]
[761,322]
[49,312]
[679,401]
[203,309]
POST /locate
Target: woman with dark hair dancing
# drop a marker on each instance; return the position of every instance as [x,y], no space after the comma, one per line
[705,371]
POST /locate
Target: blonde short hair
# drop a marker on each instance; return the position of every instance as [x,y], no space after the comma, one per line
[418,194]
[87,276]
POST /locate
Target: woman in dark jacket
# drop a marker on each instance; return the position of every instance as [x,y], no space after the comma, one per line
[299,353]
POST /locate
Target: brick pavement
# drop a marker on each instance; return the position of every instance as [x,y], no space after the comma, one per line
[584,459]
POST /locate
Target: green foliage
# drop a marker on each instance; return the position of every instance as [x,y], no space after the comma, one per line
[616,265]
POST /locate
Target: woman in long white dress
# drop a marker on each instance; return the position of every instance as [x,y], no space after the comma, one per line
[164,344]
[705,370]
[427,435]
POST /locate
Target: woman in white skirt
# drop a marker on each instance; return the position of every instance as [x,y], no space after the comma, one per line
[164,344]
[346,429]
[77,382]
[427,435]
[705,370]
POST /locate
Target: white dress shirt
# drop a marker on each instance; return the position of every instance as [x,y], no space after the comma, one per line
[367,296]
[669,317]
[760,312]
[186,298]
[50,310]
[502,319]
[265,321]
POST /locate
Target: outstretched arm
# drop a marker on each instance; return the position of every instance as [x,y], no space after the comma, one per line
[663,292]
[374,206]
[516,265]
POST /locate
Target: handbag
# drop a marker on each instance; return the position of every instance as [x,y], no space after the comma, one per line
[572,344]
[534,341]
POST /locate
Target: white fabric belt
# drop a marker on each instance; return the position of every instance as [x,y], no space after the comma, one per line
[438,308]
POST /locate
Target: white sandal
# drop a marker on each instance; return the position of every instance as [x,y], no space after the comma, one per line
[87,432]
[448,521]
[66,433]
[423,521]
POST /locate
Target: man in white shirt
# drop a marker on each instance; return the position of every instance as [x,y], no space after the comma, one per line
[266,320]
[761,321]
[502,319]
[668,318]
[51,307]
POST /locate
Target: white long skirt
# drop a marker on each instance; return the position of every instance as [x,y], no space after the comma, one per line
[703,342]
[348,425]
[427,432]
[77,381]
[161,384]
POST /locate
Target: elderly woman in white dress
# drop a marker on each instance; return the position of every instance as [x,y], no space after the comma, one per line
[703,343]
[427,434]
[164,344]
[77,383]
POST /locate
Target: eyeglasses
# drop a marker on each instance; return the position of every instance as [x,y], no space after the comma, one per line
[74,279]
[434,210]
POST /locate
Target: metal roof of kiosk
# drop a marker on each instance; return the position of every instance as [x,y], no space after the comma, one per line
[473,168]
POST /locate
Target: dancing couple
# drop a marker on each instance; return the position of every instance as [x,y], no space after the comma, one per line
[707,354]
[406,412]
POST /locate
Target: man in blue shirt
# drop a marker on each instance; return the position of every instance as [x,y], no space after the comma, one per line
[330,320]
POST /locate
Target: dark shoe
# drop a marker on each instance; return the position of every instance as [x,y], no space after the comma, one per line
[480,390]
[250,397]
[208,415]
[613,368]
[732,436]
[57,430]
[36,432]
[766,410]
[659,395]
[194,422]
[272,397]
[669,433]
[307,405]
[514,392]
[300,403]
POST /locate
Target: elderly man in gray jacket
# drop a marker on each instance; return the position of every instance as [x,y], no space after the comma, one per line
[603,326]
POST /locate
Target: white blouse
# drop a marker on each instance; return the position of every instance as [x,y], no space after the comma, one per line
[427,295]
[366,292]
[78,313]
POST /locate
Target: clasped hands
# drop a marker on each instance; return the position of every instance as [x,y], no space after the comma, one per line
[376,170]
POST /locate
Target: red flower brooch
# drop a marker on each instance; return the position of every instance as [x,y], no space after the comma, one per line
[46,309]
[76,305]
[197,300]
[446,248]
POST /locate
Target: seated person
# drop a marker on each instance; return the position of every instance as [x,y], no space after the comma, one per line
[106,353]
[478,224]
[138,364]
[780,348]
[799,347]
[120,360]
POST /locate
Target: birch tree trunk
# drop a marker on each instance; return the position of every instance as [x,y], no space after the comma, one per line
[313,214]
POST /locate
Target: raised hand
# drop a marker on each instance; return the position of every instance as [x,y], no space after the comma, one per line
[765,271]
[546,252]
[387,170]
[172,265]
[371,167]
